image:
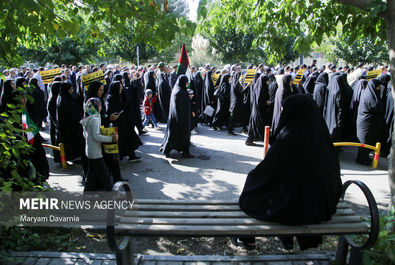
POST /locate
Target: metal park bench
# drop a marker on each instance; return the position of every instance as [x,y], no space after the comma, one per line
[224,218]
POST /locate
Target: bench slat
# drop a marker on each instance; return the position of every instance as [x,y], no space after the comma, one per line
[258,230]
[205,214]
[172,207]
[166,203]
[222,221]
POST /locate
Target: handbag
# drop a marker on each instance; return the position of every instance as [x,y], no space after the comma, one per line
[209,111]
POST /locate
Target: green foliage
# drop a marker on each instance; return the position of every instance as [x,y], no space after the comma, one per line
[359,51]
[233,46]
[35,239]
[34,24]
[15,170]
[67,51]
[274,22]
[383,252]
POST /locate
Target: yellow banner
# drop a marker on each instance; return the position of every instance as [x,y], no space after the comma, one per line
[109,148]
[373,74]
[299,76]
[48,75]
[95,76]
[215,78]
[250,76]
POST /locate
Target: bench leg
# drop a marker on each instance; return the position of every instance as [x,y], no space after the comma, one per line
[126,257]
[355,256]
[342,250]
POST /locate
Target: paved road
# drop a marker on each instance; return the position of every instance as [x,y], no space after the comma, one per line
[217,172]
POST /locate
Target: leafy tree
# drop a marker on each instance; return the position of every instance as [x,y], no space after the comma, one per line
[66,51]
[307,21]
[38,23]
[362,50]
[233,46]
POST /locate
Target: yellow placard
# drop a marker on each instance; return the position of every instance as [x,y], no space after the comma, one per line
[215,78]
[373,74]
[48,75]
[249,76]
[95,76]
[299,76]
[109,148]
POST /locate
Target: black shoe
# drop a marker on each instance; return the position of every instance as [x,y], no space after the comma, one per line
[134,158]
[250,143]
[248,246]
[216,128]
[231,133]
[188,155]
[142,132]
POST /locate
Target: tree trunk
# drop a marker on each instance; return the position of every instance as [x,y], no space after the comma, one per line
[390,27]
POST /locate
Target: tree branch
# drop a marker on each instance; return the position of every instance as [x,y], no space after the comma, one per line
[361,4]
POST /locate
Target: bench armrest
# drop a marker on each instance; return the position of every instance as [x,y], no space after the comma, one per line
[114,246]
[374,215]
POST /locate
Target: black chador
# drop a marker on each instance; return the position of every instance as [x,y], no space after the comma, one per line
[236,103]
[164,92]
[116,102]
[359,86]
[69,114]
[337,113]
[308,86]
[198,86]
[370,120]
[320,91]
[284,90]
[260,110]
[272,93]
[222,112]
[208,94]
[178,131]
[283,188]
[54,90]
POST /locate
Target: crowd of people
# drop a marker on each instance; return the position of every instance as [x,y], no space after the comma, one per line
[131,98]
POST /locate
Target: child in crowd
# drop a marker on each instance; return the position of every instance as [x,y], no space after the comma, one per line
[98,177]
[148,105]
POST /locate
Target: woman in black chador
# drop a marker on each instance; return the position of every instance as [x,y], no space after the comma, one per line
[337,112]
[359,87]
[207,96]
[222,112]
[260,110]
[178,132]
[286,190]
[320,91]
[309,85]
[37,109]
[164,92]
[272,93]
[370,120]
[54,90]
[116,103]
[236,107]
[198,85]
[69,131]
[284,90]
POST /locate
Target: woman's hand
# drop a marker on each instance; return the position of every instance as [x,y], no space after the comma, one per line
[114,117]
[115,137]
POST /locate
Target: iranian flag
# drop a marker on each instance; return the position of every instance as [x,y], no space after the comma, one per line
[183,66]
[29,126]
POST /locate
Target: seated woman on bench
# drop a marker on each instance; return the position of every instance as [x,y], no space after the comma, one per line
[298,182]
